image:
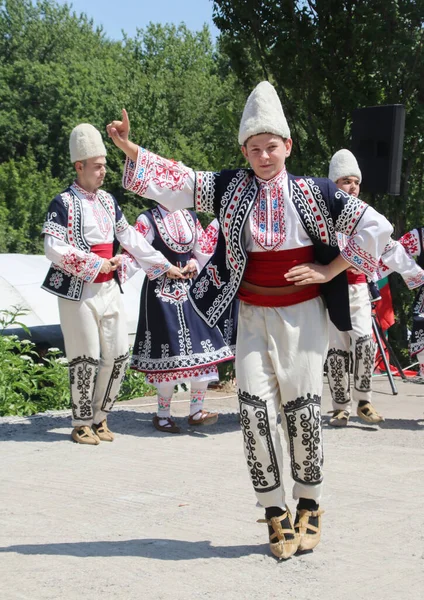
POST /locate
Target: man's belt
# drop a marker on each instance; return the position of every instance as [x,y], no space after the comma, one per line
[277,296]
[104,251]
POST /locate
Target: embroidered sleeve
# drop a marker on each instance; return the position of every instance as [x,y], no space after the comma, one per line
[202,249]
[166,181]
[150,260]
[85,265]
[211,233]
[396,259]
[128,267]
[56,220]
[143,226]
[411,242]
[121,221]
[368,231]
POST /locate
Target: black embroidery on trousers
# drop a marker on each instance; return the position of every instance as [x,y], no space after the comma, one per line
[303,417]
[338,372]
[82,379]
[115,381]
[255,422]
[364,363]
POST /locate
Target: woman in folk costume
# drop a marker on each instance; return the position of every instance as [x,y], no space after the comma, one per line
[82,231]
[273,228]
[173,344]
[344,171]
[413,243]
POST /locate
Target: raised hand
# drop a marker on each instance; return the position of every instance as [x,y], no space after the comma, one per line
[119,131]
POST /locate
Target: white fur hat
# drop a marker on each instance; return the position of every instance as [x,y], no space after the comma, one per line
[85,142]
[344,164]
[263,113]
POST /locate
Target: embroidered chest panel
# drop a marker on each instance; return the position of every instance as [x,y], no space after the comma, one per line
[177,230]
[103,211]
[268,222]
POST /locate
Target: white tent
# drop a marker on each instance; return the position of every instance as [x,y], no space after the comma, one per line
[21,276]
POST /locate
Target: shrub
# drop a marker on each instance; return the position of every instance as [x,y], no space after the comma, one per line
[30,383]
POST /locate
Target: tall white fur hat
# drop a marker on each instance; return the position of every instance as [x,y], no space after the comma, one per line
[85,142]
[344,164]
[263,113]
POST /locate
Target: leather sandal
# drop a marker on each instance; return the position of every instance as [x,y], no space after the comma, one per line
[84,435]
[308,526]
[103,432]
[283,538]
[368,414]
[340,418]
[206,418]
[169,427]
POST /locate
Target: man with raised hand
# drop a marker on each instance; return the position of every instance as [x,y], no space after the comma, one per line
[273,230]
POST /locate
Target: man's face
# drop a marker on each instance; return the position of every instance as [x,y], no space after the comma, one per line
[349,184]
[267,154]
[91,172]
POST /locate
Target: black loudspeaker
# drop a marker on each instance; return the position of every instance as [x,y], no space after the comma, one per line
[377,143]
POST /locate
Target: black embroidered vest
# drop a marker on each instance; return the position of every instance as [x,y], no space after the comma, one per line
[318,204]
[64,221]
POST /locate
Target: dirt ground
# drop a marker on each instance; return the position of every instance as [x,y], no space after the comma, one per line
[155,516]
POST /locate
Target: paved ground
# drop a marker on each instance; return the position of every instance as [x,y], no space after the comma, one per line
[156,516]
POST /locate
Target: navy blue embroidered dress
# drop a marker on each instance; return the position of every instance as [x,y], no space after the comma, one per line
[173,343]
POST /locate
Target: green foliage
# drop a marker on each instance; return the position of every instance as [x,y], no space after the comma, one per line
[57,69]
[30,383]
[135,386]
[24,197]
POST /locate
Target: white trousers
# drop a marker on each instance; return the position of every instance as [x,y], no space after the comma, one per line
[279,363]
[96,344]
[359,340]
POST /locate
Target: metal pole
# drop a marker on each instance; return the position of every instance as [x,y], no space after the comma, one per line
[383,355]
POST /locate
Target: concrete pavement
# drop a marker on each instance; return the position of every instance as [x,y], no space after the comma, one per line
[155,516]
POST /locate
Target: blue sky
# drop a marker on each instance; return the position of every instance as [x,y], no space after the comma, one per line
[116,15]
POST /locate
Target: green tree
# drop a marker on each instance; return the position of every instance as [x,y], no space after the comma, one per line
[327,58]
[57,69]
[25,194]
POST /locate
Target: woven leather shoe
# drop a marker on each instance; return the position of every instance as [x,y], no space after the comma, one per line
[84,435]
[308,527]
[103,432]
[283,539]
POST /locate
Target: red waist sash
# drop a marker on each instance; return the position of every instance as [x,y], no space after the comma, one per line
[104,251]
[353,278]
[267,270]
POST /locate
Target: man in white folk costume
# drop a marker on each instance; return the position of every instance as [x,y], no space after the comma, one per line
[272,227]
[346,174]
[83,229]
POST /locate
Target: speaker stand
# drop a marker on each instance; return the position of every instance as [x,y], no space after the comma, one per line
[383,346]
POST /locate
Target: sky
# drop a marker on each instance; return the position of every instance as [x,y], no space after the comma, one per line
[127,15]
